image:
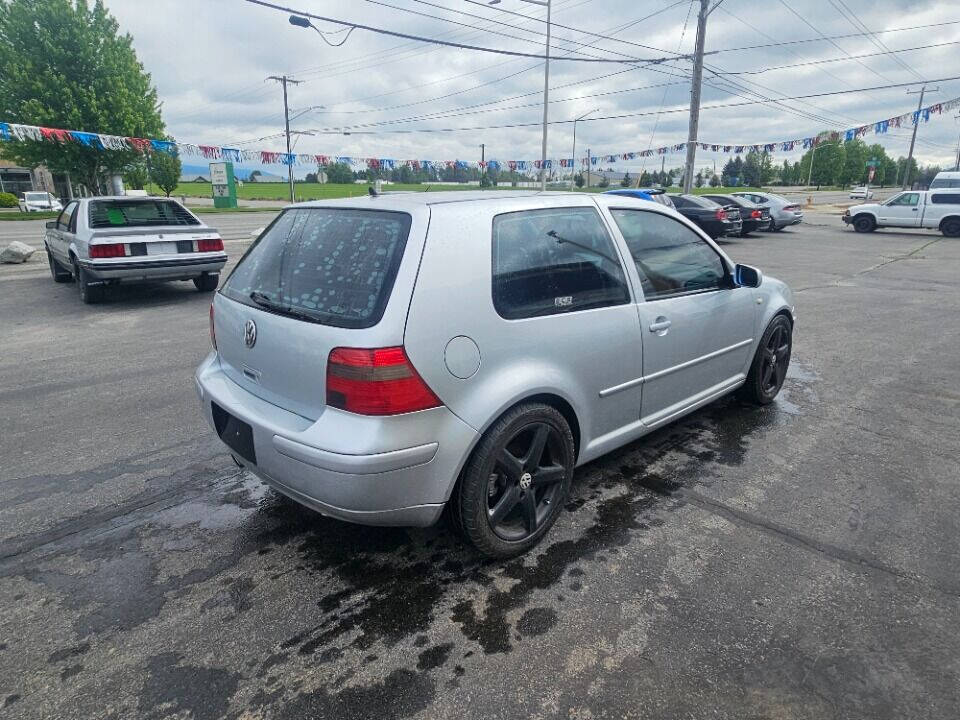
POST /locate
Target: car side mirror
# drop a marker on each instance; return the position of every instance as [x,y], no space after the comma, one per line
[52,224]
[746,276]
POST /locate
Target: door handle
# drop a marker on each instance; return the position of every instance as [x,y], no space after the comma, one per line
[660,325]
[915,209]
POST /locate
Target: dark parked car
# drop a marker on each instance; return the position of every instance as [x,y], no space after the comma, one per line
[753,216]
[711,217]
[657,195]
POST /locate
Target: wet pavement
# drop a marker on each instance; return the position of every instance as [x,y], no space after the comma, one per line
[799,560]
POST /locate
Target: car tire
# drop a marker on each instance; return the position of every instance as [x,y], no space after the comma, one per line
[770,363]
[89,294]
[57,271]
[864,224]
[507,497]
[208,282]
[951,228]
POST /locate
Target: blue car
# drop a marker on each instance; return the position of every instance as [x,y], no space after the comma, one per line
[657,195]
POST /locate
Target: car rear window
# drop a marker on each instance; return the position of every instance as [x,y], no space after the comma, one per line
[554,261]
[700,201]
[333,266]
[138,213]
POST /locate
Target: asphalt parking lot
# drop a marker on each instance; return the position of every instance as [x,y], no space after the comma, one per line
[796,561]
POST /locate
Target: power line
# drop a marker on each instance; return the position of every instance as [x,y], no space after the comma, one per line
[621,116]
[438,41]
[812,27]
[839,59]
[859,25]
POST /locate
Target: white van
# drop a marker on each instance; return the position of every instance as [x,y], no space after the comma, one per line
[946,180]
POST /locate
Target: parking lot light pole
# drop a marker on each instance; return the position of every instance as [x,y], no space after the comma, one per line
[574,151]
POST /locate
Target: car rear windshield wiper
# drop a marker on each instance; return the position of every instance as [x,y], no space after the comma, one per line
[267,303]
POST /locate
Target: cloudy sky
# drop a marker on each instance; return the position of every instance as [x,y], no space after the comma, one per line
[209,60]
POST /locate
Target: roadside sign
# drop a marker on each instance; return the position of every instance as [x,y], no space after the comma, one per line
[223,185]
[872,163]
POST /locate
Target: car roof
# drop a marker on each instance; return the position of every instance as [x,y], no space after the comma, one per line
[417,199]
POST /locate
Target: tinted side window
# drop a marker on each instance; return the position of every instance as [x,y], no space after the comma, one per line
[679,201]
[63,222]
[945,183]
[554,261]
[945,199]
[671,259]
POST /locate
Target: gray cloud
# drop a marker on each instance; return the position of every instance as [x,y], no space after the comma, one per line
[209,60]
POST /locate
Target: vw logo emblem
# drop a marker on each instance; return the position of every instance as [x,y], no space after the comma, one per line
[250,333]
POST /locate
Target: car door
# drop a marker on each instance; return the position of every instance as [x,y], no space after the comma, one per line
[697,326]
[64,232]
[901,210]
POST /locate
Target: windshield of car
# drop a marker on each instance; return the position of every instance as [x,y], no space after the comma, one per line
[138,213]
[333,266]
[36,197]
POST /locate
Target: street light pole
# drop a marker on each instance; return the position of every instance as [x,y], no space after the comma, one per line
[957,117]
[574,151]
[483,163]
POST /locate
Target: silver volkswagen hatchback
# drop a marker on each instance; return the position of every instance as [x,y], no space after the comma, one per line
[380,359]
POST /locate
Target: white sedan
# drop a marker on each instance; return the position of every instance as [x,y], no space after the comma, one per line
[39,202]
[861,193]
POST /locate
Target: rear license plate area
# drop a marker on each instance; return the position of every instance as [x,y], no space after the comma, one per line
[235,433]
[161,248]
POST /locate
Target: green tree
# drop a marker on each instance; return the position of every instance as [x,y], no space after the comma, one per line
[339,174]
[625,180]
[854,169]
[66,65]
[254,176]
[907,171]
[698,179]
[714,180]
[165,171]
[604,182]
[135,175]
[578,180]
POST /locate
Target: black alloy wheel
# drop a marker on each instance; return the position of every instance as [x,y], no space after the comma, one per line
[516,482]
[526,478]
[951,228]
[864,224]
[770,363]
[775,360]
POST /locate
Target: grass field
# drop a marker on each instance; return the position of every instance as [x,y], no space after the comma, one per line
[316,191]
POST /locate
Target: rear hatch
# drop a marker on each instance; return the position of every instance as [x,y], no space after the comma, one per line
[147,227]
[316,279]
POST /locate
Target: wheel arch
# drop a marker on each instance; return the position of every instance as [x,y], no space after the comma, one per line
[559,403]
[946,219]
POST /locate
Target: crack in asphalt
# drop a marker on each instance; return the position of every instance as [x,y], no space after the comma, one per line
[806,542]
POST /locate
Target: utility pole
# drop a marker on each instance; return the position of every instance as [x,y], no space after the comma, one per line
[483,163]
[913,137]
[588,168]
[283,80]
[546,101]
[695,94]
[957,117]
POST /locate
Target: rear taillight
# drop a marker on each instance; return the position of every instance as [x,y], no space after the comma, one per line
[210,245]
[110,250]
[755,214]
[213,331]
[721,214]
[378,381]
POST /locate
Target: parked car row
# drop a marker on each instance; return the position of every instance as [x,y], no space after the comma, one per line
[719,215]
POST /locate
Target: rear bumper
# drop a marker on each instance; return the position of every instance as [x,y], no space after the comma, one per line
[163,268]
[404,478]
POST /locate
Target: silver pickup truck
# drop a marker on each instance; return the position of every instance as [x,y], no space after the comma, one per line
[103,241]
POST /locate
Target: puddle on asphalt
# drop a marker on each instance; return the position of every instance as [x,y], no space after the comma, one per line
[379,588]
